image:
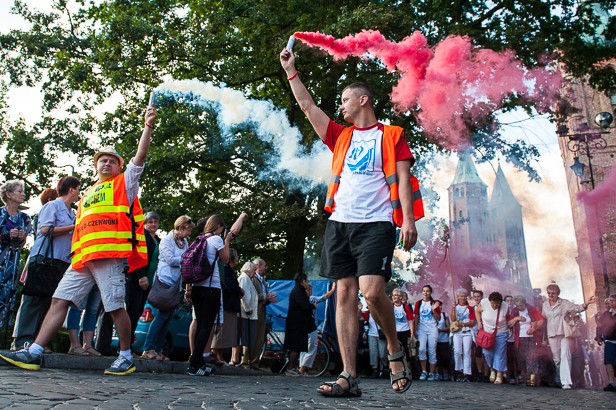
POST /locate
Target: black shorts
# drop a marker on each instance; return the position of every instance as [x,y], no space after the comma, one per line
[356,249]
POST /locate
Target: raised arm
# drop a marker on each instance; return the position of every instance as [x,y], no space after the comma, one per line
[316,116]
[144,142]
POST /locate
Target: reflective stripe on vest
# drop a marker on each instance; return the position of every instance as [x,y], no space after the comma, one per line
[391,136]
[104,228]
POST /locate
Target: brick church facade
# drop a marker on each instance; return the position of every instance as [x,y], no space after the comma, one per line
[595,231]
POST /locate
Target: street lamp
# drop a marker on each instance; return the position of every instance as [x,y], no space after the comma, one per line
[604,119]
[578,167]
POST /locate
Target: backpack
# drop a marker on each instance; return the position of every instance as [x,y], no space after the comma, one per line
[196,266]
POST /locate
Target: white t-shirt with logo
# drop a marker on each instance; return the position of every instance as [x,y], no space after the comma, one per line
[363,194]
[426,318]
[402,316]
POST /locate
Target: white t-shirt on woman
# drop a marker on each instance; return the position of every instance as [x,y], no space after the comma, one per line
[214,244]
[488,317]
[524,326]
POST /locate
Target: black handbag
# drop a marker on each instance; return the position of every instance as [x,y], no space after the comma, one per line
[43,277]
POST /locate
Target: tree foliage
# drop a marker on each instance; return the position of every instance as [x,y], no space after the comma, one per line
[85,53]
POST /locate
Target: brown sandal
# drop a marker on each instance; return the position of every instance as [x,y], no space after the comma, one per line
[149,355]
[78,351]
[92,351]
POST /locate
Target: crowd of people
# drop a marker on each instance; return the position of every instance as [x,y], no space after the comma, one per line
[531,344]
[108,254]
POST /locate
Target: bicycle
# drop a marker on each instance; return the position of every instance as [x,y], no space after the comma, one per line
[279,357]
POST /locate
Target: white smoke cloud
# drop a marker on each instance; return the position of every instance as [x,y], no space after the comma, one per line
[269,123]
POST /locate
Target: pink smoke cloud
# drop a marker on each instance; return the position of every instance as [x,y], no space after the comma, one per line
[453,84]
[603,194]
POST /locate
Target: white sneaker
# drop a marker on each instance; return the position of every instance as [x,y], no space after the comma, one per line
[424,375]
[567,387]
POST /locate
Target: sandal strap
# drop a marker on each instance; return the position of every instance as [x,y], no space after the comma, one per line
[352,381]
[397,357]
[399,376]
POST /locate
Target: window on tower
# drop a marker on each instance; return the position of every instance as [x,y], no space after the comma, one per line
[457,194]
[460,214]
[462,192]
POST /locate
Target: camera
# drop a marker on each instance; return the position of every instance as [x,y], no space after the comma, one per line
[227,232]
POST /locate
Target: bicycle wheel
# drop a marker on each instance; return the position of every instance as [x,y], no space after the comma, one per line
[321,360]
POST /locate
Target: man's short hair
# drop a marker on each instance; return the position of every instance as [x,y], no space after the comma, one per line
[509,296]
[478,291]
[360,89]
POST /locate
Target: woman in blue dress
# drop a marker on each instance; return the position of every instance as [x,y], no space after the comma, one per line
[15,226]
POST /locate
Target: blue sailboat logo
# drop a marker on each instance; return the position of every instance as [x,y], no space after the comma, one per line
[360,156]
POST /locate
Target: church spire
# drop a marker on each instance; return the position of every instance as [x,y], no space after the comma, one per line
[466,171]
[502,191]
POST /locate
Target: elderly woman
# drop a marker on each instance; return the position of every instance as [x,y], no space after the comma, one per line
[58,213]
[464,317]
[299,323]
[232,293]
[14,227]
[492,314]
[249,304]
[526,322]
[172,247]
[555,311]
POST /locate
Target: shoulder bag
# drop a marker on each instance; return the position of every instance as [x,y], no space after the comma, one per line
[486,340]
[165,297]
[571,326]
[43,276]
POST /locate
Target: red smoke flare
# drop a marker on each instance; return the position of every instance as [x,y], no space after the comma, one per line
[444,82]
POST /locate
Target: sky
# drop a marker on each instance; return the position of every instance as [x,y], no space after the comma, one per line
[548,223]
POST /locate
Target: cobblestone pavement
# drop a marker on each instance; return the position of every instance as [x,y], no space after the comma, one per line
[69,389]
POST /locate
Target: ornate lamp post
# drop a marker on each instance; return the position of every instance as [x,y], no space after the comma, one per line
[590,141]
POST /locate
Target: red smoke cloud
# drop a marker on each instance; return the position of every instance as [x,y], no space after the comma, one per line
[453,84]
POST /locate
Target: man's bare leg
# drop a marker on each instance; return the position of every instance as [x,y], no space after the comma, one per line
[347,326]
[382,310]
[123,327]
[53,321]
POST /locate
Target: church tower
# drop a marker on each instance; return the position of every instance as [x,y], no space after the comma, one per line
[468,207]
[508,229]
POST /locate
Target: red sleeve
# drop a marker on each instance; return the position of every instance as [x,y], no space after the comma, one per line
[333,131]
[402,149]
[366,315]
[537,316]
[471,314]
[438,310]
[409,312]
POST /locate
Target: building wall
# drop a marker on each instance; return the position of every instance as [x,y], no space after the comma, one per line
[586,222]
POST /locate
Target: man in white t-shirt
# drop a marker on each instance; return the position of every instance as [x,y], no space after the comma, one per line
[370,189]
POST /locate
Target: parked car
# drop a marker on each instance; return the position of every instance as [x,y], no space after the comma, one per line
[176,345]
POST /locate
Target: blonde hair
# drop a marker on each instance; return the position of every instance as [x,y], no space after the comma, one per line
[519,298]
[9,187]
[183,222]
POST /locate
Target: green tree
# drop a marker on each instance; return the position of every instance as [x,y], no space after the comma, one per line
[85,53]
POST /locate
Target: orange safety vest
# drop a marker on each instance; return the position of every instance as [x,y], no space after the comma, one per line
[391,136]
[105,226]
